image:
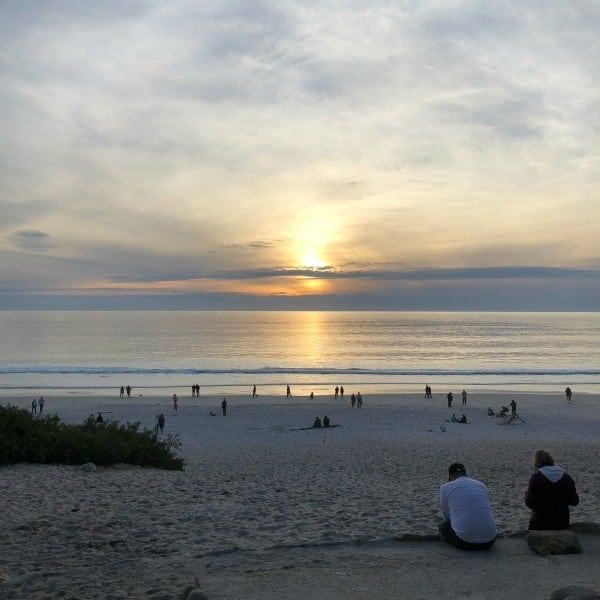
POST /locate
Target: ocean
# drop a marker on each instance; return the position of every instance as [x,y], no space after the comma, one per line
[96,352]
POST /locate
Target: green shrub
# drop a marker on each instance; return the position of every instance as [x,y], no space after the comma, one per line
[25,438]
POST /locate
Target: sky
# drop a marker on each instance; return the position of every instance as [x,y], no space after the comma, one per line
[301,155]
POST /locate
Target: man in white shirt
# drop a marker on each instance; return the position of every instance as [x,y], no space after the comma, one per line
[468,518]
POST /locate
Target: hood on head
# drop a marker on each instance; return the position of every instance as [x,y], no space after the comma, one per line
[553,473]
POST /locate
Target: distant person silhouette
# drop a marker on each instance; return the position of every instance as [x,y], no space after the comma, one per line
[194,390]
[342,391]
[312,395]
[254,392]
[337,391]
[325,421]
[568,393]
[128,390]
[513,407]
[197,390]
[34,406]
[463,419]
[317,423]
[352,400]
[161,422]
[358,400]
[99,418]
[41,404]
[427,391]
[288,392]
[121,392]
[175,400]
[450,398]
[464,396]
[224,407]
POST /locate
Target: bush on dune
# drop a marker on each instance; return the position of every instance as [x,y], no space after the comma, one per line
[26,438]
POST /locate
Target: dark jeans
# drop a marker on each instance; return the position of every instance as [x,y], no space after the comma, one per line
[450,536]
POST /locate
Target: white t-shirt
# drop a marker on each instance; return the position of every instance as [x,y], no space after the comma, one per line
[466,502]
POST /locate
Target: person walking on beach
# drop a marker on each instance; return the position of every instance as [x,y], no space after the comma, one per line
[288,392]
[568,393]
[337,391]
[194,390]
[224,407]
[175,399]
[464,397]
[549,494]
[197,390]
[342,391]
[358,400]
[427,391]
[254,391]
[128,390]
[33,406]
[41,404]
[513,407]
[156,425]
[450,398]
[161,422]
[352,400]
[121,392]
[468,521]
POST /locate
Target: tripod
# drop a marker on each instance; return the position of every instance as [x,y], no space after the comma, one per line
[514,418]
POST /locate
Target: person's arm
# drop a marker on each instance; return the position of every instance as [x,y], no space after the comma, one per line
[531,500]
[444,502]
[573,496]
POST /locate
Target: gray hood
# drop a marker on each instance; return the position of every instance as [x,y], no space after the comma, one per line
[553,473]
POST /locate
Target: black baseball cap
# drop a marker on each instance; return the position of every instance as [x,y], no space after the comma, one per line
[457,469]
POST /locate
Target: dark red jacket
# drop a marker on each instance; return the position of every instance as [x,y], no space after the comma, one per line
[549,501]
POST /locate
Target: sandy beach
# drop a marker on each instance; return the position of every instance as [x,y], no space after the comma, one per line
[265,509]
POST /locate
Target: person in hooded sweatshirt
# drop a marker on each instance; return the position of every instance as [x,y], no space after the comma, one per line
[550,493]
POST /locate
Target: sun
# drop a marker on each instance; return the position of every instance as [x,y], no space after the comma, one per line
[312,261]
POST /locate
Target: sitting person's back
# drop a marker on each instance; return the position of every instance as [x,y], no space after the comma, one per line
[549,494]
[317,423]
[468,518]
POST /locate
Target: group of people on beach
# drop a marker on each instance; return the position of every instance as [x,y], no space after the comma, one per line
[35,404]
[318,424]
[469,521]
[123,390]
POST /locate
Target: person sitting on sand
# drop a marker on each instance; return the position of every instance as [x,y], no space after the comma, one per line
[463,419]
[317,423]
[491,412]
[325,421]
[312,395]
[453,419]
[99,418]
[549,494]
[468,522]
[503,411]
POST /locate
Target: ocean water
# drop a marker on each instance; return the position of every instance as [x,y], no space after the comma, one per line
[231,351]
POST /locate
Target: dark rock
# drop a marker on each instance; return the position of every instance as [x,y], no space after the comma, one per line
[576,592]
[547,543]
[88,467]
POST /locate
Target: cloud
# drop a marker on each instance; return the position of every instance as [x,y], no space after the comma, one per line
[31,240]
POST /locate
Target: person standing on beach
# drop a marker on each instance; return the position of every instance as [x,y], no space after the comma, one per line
[450,398]
[161,422]
[352,400]
[513,407]
[175,402]
[197,390]
[194,390]
[336,392]
[468,522]
[288,392]
[464,397]
[224,407]
[41,404]
[358,400]
[342,391]
[549,494]
[33,406]
[568,393]
[128,390]
[121,392]
[254,391]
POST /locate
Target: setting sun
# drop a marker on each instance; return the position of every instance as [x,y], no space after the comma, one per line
[312,261]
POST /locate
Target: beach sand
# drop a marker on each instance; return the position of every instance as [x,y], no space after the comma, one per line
[264,509]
